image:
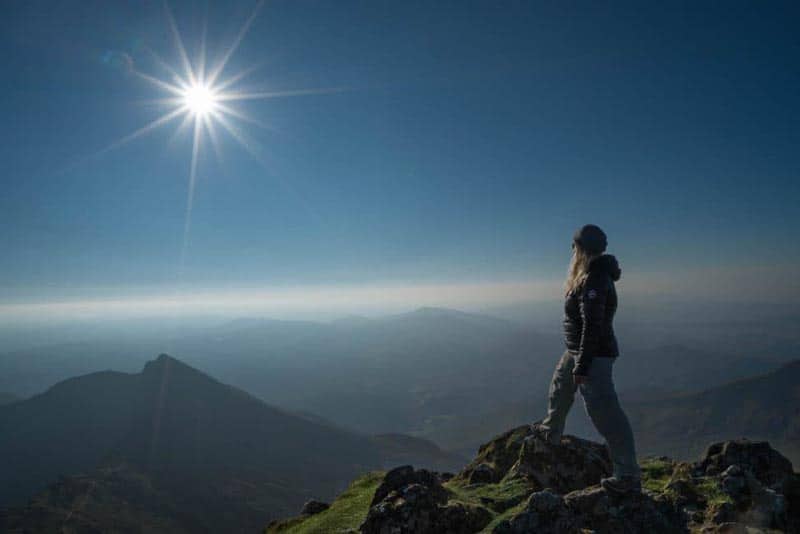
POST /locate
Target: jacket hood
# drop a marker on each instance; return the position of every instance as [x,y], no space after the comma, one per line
[608,264]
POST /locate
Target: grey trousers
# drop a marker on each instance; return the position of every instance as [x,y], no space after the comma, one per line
[602,405]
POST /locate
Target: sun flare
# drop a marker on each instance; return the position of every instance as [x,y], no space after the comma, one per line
[200,99]
[203,99]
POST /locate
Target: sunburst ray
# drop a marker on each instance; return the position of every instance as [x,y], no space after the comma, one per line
[235,45]
[204,99]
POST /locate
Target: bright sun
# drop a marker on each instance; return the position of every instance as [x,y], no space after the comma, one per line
[199,99]
[199,95]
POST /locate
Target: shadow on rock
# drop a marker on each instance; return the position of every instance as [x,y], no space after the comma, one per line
[595,510]
[410,501]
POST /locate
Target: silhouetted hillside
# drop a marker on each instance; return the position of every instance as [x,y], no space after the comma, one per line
[224,459]
[679,368]
[114,499]
[763,407]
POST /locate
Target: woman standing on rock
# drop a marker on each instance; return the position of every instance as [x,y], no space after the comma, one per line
[591,301]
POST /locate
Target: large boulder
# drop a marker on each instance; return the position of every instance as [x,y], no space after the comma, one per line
[496,457]
[594,510]
[770,467]
[422,508]
[405,475]
[752,503]
[520,453]
[571,465]
[763,489]
[410,508]
[314,507]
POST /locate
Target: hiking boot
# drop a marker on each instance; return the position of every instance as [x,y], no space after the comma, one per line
[622,485]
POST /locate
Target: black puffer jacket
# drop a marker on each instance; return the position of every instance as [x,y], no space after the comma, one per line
[589,314]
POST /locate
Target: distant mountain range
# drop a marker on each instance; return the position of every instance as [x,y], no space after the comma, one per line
[170,448]
[765,407]
[173,444]
[405,373]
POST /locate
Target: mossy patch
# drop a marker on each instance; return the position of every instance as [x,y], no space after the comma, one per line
[346,512]
[656,473]
[503,491]
[674,482]
[711,490]
[503,500]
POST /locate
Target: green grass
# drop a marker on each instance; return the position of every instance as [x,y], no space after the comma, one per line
[516,489]
[714,495]
[656,473]
[346,512]
[504,490]
[350,508]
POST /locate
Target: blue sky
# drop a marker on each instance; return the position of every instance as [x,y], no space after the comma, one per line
[469,140]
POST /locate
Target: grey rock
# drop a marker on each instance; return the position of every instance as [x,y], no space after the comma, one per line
[482,474]
[770,467]
[404,475]
[500,453]
[544,501]
[415,502]
[573,464]
[723,513]
[733,471]
[313,507]
[735,486]
[761,493]
[594,510]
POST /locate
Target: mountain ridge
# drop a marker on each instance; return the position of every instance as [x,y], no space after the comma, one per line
[762,407]
[187,435]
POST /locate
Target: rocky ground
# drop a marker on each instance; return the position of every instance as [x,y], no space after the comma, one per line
[519,484]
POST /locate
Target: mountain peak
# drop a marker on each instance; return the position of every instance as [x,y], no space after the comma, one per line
[436,310]
[163,358]
[166,367]
[164,361]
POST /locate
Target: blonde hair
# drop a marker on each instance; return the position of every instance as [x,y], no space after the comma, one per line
[578,269]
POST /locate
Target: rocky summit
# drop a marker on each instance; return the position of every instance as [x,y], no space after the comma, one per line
[520,484]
